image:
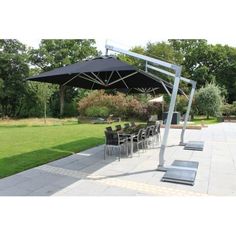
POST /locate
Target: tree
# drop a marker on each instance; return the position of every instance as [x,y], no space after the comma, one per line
[13,70]
[206,63]
[226,73]
[195,53]
[43,92]
[57,53]
[164,51]
[134,61]
[208,100]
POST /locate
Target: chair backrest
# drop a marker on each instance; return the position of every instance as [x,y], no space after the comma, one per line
[147,132]
[157,129]
[112,138]
[132,124]
[152,130]
[118,127]
[109,129]
[127,125]
[140,134]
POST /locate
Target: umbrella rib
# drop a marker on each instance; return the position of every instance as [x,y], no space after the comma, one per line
[110,77]
[70,80]
[185,95]
[98,78]
[89,79]
[122,80]
[92,86]
[139,89]
[125,77]
[163,84]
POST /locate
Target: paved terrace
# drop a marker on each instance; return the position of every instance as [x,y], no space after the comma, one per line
[86,173]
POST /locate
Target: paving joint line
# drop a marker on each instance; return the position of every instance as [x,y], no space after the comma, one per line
[137,186]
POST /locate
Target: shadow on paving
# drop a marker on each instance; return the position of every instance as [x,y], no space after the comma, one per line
[17,163]
[127,174]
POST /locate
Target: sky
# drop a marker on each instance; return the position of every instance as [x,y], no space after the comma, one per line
[124,22]
[127,43]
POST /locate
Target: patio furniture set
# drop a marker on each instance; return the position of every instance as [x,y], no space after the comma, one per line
[144,136]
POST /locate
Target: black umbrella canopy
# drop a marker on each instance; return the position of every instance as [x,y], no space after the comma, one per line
[105,72]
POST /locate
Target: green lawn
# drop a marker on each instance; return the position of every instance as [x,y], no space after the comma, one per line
[199,119]
[24,147]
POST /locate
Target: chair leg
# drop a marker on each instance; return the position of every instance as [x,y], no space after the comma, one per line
[119,152]
[138,149]
[105,150]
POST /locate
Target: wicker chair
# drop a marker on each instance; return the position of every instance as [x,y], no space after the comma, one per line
[132,124]
[109,129]
[126,125]
[118,127]
[146,136]
[115,141]
[139,140]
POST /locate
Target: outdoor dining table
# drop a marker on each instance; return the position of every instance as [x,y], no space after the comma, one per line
[131,133]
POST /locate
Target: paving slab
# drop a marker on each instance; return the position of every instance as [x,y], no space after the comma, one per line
[12,181]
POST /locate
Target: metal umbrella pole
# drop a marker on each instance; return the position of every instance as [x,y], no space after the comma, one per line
[168,122]
[187,113]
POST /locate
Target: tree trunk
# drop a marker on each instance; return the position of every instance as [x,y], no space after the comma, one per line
[207,117]
[62,96]
[192,116]
[45,111]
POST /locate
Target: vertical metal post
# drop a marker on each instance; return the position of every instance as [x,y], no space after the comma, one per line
[187,113]
[169,119]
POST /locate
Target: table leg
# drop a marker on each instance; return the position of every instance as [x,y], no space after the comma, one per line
[131,145]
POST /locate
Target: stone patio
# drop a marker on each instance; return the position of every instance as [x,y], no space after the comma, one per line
[88,174]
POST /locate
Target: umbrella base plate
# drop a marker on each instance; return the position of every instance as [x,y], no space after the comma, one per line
[185,164]
[194,146]
[182,172]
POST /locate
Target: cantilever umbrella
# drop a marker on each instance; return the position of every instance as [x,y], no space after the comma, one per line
[104,72]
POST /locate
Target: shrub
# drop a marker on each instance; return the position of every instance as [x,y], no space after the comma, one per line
[208,100]
[227,109]
[234,108]
[133,107]
[154,109]
[95,111]
[181,104]
[103,104]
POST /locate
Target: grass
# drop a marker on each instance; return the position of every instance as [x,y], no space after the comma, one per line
[29,143]
[198,120]
[37,122]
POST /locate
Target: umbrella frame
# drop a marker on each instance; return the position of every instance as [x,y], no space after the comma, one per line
[154,64]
